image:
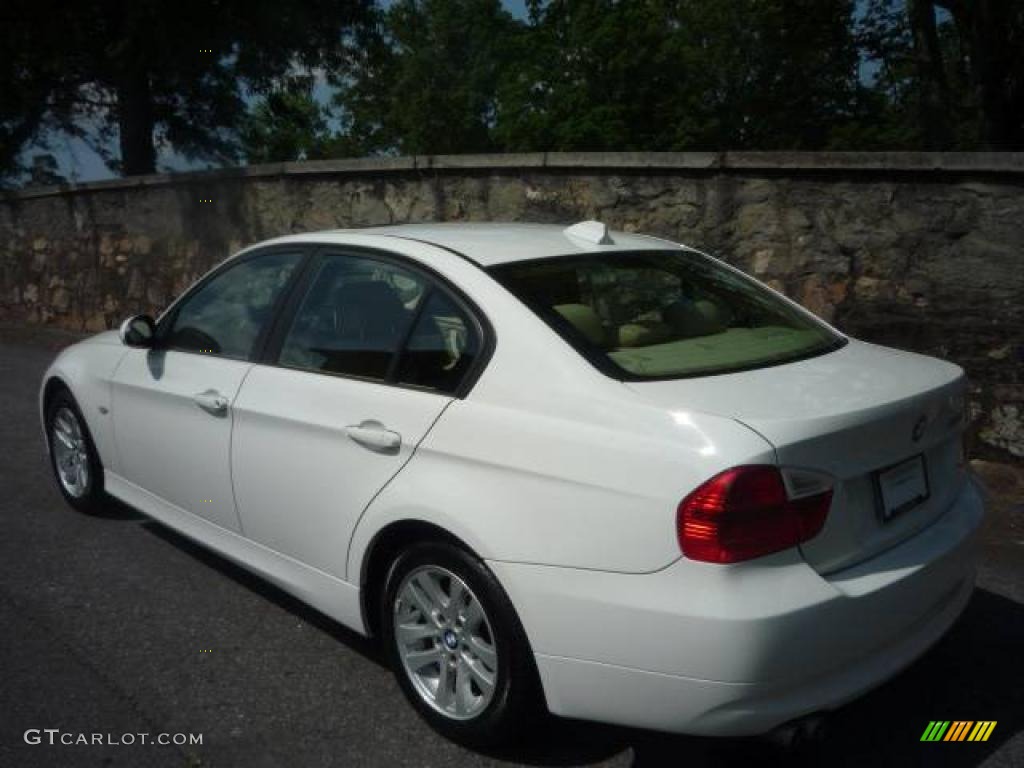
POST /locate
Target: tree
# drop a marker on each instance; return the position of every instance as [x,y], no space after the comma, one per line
[954,69]
[425,83]
[681,74]
[216,81]
[286,124]
[934,97]
[991,37]
[689,75]
[590,75]
[156,73]
[30,74]
[44,172]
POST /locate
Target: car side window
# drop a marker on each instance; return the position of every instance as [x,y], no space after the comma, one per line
[226,314]
[353,318]
[441,348]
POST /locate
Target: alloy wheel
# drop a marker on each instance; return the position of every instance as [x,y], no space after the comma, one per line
[445,642]
[70,453]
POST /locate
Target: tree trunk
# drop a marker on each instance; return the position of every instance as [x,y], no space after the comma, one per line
[992,63]
[935,101]
[986,29]
[135,123]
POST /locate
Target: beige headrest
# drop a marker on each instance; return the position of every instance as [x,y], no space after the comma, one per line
[584,319]
[643,334]
[694,318]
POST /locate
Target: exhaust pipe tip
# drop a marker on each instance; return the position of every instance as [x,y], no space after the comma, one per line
[799,734]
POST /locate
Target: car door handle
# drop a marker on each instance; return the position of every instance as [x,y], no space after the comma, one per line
[211,401]
[375,436]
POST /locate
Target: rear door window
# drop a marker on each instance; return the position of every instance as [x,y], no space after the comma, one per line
[354,318]
[442,347]
[374,319]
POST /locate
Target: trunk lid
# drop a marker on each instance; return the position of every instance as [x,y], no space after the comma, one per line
[852,413]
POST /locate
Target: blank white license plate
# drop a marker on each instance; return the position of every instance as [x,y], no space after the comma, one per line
[902,487]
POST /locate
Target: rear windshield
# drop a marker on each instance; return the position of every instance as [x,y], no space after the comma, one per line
[664,314]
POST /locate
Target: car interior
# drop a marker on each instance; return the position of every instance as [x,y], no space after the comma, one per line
[353,320]
[651,321]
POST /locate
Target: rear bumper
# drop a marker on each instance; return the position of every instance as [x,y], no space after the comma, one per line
[738,650]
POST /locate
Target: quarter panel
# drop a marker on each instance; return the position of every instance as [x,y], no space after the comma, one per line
[524,486]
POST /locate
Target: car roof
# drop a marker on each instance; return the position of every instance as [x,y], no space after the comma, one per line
[490,244]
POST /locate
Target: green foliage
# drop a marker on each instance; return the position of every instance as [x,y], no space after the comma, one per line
[459,75]
[681,74]
[975,74]
[286,124]
[426,81]
[456,76]
[152,73]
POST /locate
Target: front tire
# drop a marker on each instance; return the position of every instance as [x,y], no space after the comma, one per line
[456,645]
[73,457]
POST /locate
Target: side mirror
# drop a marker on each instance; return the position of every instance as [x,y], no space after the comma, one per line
[138,331]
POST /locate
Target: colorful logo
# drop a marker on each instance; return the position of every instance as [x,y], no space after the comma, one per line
[958,730]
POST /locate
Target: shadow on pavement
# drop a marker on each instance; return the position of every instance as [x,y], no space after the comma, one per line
[361,645]
[114,509]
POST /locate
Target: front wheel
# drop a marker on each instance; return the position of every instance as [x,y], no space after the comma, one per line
[456,645]
[76,464]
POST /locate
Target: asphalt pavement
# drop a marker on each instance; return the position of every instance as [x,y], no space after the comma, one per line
[115,625]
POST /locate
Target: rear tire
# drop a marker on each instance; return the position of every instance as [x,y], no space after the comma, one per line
[456,646]
[73,457]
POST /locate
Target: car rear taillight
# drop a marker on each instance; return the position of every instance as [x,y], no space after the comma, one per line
[746,512]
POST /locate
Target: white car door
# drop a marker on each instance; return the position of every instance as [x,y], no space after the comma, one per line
[371,353]
[172,404]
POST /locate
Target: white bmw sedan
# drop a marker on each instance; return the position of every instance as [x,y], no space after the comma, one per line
[587,470]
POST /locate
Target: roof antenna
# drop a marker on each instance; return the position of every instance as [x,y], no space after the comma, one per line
[591,231]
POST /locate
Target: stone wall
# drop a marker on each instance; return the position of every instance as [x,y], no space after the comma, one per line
[920,251]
